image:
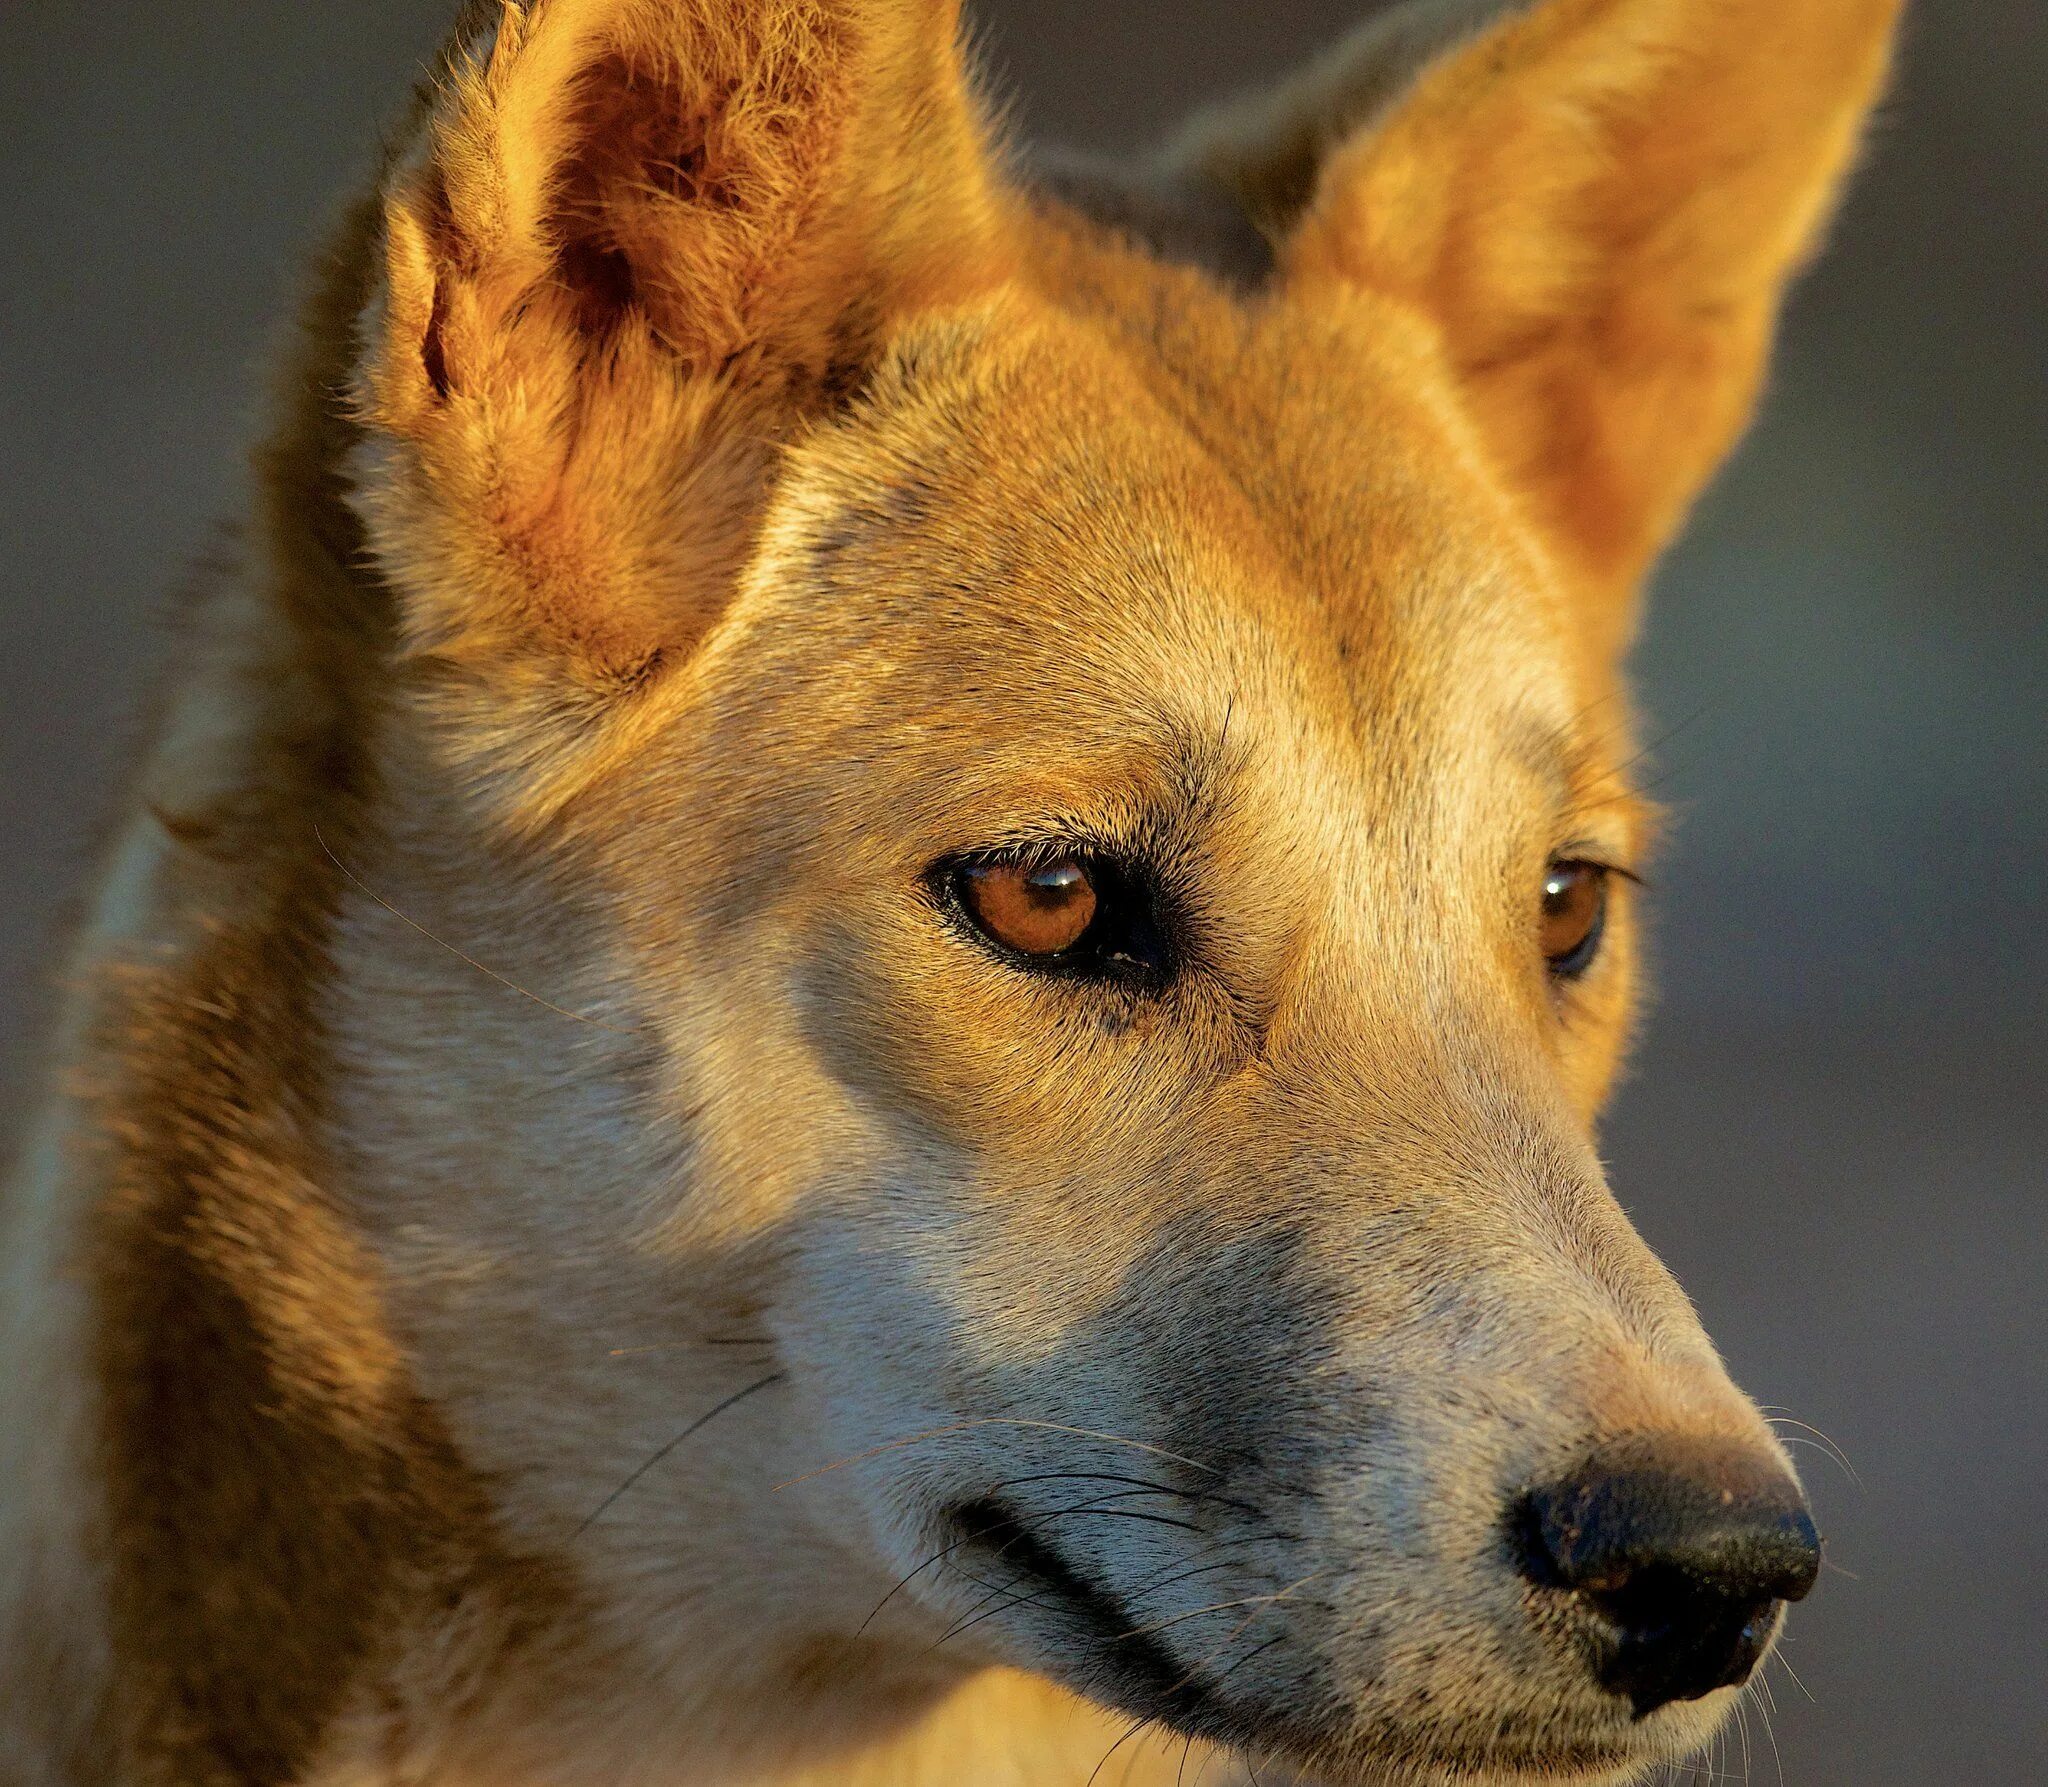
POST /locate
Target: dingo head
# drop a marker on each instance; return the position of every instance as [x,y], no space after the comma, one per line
[1079,803]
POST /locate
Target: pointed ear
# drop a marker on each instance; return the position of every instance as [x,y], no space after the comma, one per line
[1598,203]
[635,245]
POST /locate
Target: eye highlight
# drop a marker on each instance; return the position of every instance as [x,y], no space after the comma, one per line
[1062,911]
[1573,915]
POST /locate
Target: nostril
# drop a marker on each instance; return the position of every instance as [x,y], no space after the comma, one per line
[1685,1566]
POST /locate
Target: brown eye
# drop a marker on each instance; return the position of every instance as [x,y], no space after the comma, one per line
[1574,914]
[1037,909]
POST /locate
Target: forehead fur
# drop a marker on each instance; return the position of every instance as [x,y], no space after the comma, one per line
[1124,490]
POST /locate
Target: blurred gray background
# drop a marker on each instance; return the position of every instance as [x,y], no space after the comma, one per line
[1837,1129]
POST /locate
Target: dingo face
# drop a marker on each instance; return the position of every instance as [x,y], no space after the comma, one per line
[1248,1251]
[1281,1167]
[1072,812]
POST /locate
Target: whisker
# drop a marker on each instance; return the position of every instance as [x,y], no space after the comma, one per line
[560,1011]
[975,1614]
[1777,1755]
[1118,1745]
[1150,1519]
[982,1611]
[1147,1483]
[912,1439]
[1826,1441]
[937,1557]
[904,1582]
[1202,1662]
[995,1600]
[1667,736]
[1794,1674]
[1833,1457]
[671,1346]
[1713,1766]
[1005,1598]
[1159,1583]
[702,1421]
[1256,1651]
[1175,1619]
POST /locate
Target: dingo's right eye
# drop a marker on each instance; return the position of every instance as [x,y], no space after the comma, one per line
[1037,909]
[1070,912]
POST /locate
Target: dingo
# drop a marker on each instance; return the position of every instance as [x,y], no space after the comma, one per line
[848,1027]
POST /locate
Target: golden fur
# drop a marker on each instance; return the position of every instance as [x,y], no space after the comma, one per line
[514,1029]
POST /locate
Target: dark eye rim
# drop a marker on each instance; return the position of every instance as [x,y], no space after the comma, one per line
[1127,944]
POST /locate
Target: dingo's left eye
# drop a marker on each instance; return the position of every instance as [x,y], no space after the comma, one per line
[1574,915]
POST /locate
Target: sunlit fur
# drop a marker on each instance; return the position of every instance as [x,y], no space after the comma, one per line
[544,1216]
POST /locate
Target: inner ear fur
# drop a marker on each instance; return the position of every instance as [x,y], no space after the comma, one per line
[1597,202]
[635,246]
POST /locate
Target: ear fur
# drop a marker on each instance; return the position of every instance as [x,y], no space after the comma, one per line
[1598,202]
[636,244]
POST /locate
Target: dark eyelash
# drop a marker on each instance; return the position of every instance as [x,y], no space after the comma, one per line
[1587,854]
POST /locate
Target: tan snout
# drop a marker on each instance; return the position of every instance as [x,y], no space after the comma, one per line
[1544,1506]
[1592,1485]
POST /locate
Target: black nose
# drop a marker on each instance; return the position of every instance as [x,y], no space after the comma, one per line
[1685,1559]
